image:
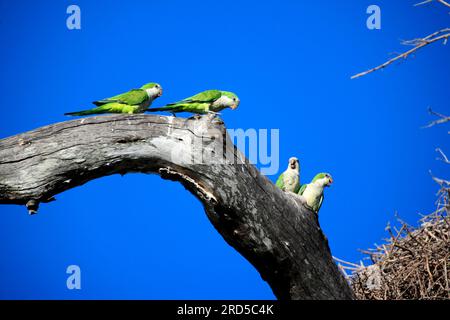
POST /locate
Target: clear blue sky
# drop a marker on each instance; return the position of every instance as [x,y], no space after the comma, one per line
[290,62]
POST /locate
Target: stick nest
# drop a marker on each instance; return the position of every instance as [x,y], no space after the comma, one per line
[414,263]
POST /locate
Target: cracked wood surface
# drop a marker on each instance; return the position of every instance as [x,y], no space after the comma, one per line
[270,228]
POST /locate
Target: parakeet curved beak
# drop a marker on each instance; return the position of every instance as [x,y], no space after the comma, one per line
[160,93]
[234,106]
[331,181]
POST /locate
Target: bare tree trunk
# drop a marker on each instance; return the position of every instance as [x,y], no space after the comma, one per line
[270,228]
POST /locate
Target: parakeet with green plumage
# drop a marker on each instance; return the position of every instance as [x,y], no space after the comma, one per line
[312,192]
[289,180]
[209,101]
[133,101]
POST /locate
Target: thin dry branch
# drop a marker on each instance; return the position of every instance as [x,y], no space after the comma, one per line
[443,118]
[443,34]
[428,1]
[443,155]
[444,3]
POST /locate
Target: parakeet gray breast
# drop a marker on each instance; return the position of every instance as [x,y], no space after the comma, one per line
[312,195]
[291,180]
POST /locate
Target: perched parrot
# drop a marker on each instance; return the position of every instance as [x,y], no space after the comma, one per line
[313,192]
[133,101]
[289,180]
[209,101]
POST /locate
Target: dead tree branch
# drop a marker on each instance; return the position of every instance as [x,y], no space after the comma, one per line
[443,155]
[444,3]
[443,118]
[419,43]
[270,228]
[428,1]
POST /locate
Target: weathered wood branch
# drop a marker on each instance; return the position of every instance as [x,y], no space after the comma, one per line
[270,228]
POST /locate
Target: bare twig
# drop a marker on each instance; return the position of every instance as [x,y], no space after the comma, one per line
[422,3]
[444,157]
[443,118]
[443,34]
[347,263]
[441,182]
[428,1]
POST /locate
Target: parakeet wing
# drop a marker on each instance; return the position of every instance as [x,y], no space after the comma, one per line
[302,189]
[320,203]
[132,97]
[112,107]
[280,181]
[203,97]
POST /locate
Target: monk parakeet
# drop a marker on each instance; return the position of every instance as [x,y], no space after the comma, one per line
[133,101]
[313,192]
[209,101]
[289,180]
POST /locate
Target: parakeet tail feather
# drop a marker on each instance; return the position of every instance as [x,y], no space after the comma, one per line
[169,109]
[85,112]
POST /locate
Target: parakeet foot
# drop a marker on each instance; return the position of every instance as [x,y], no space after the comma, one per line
[217,121]
[213,117]
[195,117]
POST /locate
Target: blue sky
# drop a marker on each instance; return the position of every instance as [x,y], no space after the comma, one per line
[290,62]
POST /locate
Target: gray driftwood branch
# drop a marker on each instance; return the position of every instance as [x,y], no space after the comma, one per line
[270,228]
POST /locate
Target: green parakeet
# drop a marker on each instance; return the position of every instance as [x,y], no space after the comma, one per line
[209,101]
[133,101]
[313,192]
[289,180]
